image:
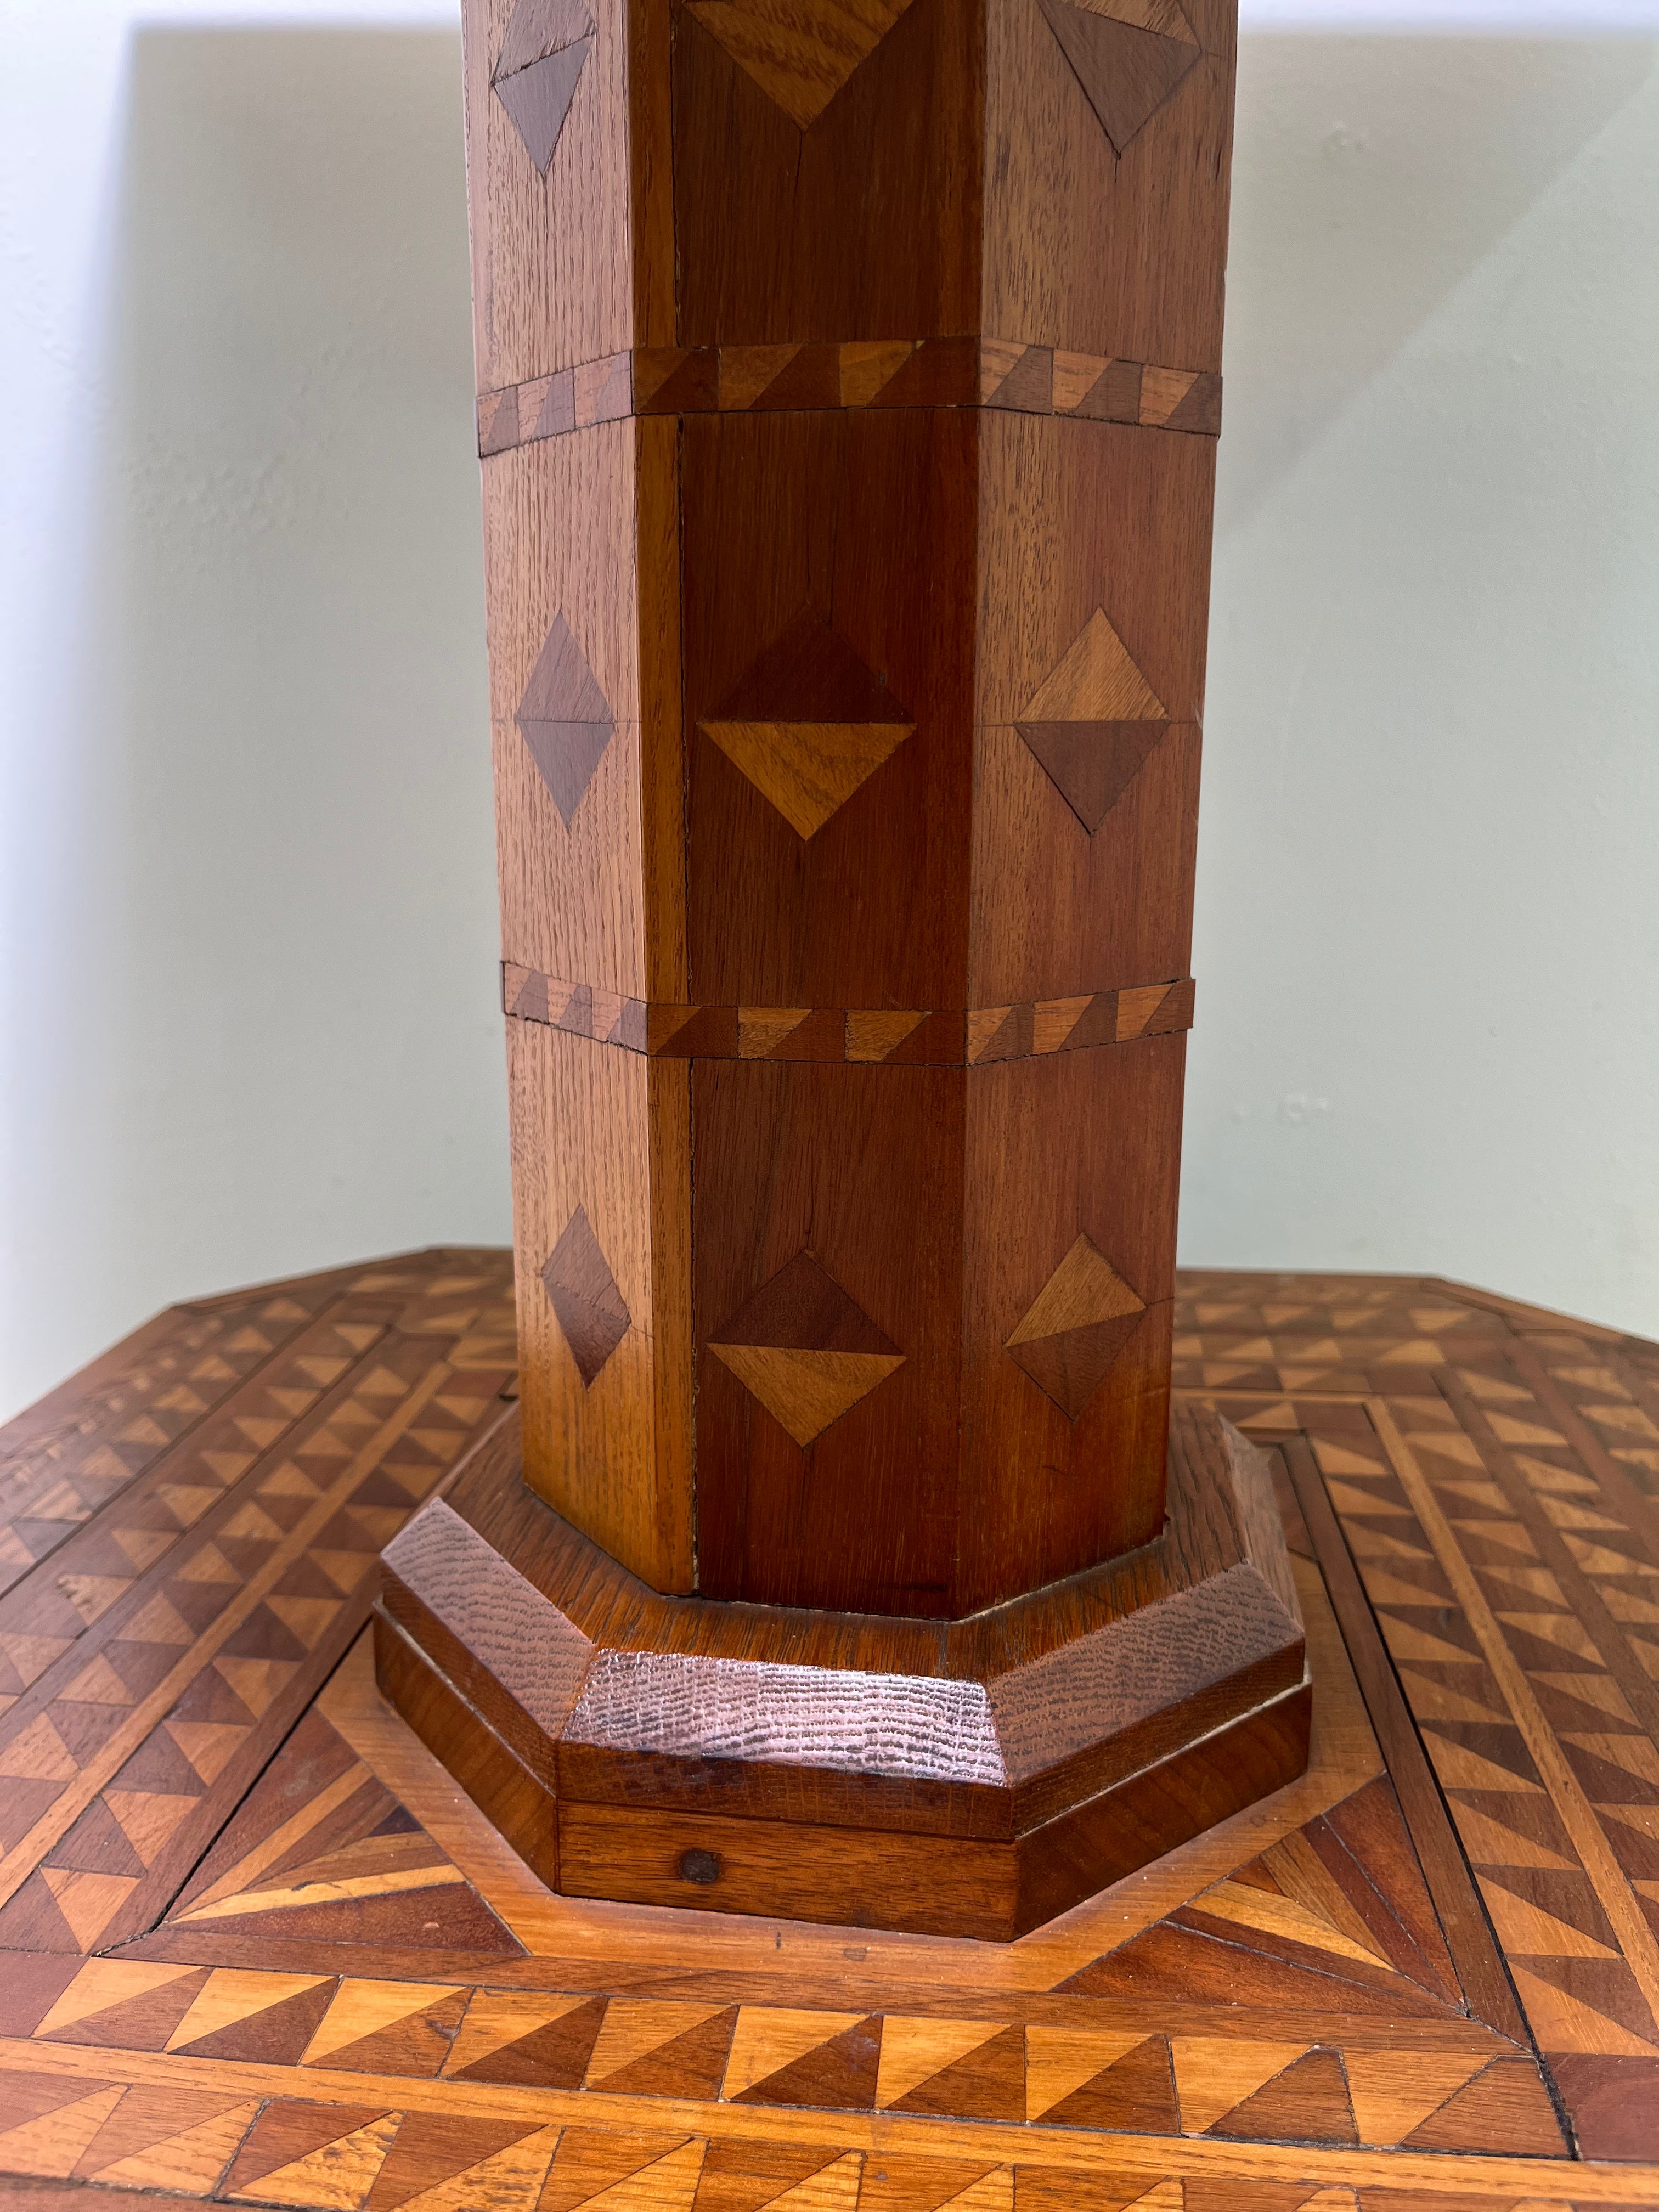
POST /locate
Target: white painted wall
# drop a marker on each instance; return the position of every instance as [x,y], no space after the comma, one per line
[1428,926]
[250,1017]
[247,1020]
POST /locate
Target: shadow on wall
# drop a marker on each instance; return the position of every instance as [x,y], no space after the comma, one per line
[282,876]
[1425,850]
[1371,175]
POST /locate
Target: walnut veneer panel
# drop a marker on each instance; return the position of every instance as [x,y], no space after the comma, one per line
[1095,560]
[602,1189]
[823,515]
[1106,225]
[584,705]
[551,288]
[1059,1475]
[842,202]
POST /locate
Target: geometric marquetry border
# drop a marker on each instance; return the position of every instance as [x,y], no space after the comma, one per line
[208,1552]
[953,372]
[1491,1477]
[328,2141]
[968,1038]
[1482,1488]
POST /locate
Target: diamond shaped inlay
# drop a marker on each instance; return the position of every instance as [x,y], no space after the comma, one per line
[1128,55]
[1094,720]
[1075,1327]
[544,53]
[592,1312]
[565,719]
[799,53]
[809,724]
[806,1350]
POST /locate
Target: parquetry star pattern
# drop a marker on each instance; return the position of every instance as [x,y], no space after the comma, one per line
[262,1952]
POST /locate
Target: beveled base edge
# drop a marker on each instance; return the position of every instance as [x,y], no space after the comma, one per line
[926,1885]
[870,1778]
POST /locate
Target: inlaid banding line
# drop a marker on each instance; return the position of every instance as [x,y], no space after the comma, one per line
[959,1037]
[942,372]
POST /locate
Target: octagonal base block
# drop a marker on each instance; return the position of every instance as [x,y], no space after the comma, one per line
[970,1778]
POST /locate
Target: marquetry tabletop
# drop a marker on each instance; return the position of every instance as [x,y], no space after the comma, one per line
[261,1951]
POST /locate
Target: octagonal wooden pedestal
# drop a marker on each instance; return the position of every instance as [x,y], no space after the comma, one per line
[970,1778]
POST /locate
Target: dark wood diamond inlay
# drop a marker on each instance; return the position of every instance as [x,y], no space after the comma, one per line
[591,1310]
[565,719]
[1075,1327]
[806,1350]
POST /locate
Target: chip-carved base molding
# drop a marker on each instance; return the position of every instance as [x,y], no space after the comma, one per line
[970,1778]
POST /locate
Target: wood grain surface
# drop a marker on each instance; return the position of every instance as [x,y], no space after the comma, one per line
[1084,1729]
[849,384]
[1031,378]
[346,1982]
[1122,554]
[1108,250]
[602,1148]
[907,1037]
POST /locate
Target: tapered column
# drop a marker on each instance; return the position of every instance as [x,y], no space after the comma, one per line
[849,378]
